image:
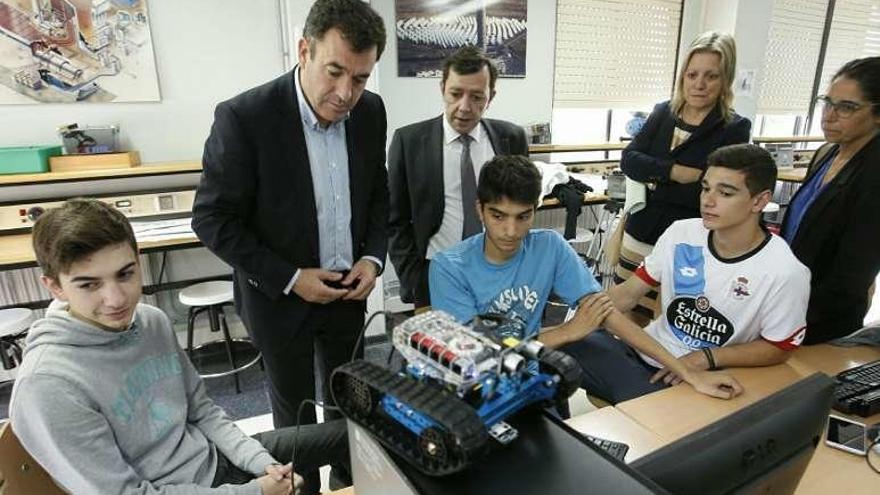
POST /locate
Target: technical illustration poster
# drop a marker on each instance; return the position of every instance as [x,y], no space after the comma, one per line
[430,30]
[67,51]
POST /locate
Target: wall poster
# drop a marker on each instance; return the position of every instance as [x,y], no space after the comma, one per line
[430,30]
[66,51]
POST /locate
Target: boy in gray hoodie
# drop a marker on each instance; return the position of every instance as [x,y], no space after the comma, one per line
[107,402]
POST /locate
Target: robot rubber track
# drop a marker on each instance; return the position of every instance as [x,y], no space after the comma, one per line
[460,437]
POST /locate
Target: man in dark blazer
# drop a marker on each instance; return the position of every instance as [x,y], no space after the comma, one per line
[432,205]
[294,196]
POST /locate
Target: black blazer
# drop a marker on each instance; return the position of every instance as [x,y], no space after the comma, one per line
[255,204]
[839,241]
[415,175]
[648,159]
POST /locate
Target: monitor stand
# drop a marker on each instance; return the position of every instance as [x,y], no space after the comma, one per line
[547,457]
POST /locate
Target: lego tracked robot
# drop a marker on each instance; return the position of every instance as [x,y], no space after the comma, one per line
[459,385]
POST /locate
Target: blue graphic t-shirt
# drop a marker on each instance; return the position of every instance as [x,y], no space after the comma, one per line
[464,284]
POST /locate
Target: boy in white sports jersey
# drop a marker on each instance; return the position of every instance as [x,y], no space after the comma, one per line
[732,293]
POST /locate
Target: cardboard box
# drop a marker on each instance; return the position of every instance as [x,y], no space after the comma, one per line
[69,163]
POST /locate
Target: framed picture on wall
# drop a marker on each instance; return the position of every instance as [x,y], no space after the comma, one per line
[70,51]
[428,31]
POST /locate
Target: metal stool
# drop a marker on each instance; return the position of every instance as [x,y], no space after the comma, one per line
[211,298]
[14,323]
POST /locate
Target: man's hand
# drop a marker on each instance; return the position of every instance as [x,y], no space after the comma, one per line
[364,273]
[311,287]
[590,314]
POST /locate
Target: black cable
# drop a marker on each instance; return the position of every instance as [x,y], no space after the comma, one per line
[299,411]
[364,331]
[874,447]
[390,355]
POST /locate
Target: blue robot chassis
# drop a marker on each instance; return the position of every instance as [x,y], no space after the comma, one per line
[458,387]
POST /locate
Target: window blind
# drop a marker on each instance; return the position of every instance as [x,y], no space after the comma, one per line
[855,33]
[615,53]
[791,56]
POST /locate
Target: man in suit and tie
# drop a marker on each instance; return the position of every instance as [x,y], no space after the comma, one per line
[433,167]
[294,196]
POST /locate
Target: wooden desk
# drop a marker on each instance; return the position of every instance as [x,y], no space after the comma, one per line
[16,251]
[612,424]
[675,412]
[145,170]
[567,148]
[788,139]
[792,174]
[678,411]
[830,359]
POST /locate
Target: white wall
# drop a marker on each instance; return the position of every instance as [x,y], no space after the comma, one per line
[206,51]
[752,29]
[748,21]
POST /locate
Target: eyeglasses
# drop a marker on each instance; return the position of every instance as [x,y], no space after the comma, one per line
[844,109]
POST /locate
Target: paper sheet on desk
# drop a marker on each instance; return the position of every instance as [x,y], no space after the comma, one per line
[159,230]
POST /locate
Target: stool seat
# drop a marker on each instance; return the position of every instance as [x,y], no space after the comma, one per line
[211,298]
[207,293]
[15,320]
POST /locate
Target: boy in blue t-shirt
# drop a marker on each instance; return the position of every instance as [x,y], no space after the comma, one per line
[511,269]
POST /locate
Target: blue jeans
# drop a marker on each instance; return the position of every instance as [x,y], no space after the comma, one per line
[613,371]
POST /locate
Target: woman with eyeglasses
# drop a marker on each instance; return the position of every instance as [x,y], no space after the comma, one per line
[669,153]
[833,221]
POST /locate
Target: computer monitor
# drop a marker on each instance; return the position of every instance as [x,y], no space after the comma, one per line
[763,448]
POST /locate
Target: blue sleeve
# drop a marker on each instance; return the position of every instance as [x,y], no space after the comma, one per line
[572,280]
[450,292]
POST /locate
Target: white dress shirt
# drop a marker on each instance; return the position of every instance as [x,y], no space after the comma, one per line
[453,214]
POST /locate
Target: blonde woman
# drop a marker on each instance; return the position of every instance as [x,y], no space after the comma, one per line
[669,153]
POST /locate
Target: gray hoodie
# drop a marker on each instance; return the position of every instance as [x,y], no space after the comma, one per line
[123,412]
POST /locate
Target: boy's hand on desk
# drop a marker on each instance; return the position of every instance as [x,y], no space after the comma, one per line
[695,360]
[715,383]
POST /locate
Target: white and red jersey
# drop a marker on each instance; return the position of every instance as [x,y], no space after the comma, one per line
[709,301]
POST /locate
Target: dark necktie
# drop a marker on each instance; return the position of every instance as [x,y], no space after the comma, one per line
[468,190]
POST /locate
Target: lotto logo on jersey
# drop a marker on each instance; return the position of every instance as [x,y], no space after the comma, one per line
[688,271]
[696,323]
[689,276]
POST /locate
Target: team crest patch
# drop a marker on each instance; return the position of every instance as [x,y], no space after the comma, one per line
[702,303]
[739,289]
